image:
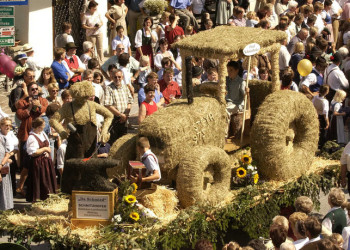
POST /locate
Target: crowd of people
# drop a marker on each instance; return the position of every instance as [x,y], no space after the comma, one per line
[303,229]
[145,63]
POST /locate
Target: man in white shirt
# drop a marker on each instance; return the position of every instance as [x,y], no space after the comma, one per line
[284,56]
[121,38]
[62,39]
[32,61]
[313,231]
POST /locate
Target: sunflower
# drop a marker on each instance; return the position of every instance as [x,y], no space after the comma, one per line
[241,172]
[246,159]
[130,199]
[256,178]
[134,186]
[135,216]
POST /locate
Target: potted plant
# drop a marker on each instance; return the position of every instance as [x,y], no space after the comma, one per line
[154,7]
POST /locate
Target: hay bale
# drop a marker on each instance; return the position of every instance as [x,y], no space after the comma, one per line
[162,202]
[284,136]
[258,91]
[179,128]
[124,150]
[206,89]
[203,176]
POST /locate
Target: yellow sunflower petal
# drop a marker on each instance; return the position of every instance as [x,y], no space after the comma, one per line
[256,178]
[135,216]
[130,199]
[241,172]
[246,159]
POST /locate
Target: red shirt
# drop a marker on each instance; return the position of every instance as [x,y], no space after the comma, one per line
[170,35]
[150,108]
[171,89]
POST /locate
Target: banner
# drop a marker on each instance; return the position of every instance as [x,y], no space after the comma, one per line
[13,2]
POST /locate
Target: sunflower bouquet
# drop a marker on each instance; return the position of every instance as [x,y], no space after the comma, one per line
[246,174]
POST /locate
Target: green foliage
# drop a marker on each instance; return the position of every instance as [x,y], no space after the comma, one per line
[331,150]
[251,210]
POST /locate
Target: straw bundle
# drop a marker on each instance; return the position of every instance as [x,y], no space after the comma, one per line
[203,175]
[124,149]
[162,202]
[58,206]
[206,89]
[176,130]
[284,135]
[258,91]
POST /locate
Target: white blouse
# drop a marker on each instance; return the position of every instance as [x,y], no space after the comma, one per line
[158,58]
[11,142]
[32,144]
[91,21]
[138,37]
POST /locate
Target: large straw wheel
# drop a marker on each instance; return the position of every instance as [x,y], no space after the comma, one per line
[123,149]
[203,175]
[284,135]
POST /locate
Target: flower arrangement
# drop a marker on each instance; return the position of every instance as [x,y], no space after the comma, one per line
[246,174]
[155,7]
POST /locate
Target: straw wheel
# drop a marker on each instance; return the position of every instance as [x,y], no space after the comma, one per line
[203,175]
[284,135]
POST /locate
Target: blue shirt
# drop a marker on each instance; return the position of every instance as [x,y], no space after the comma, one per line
[133,5]
[180,4]
[142,96]
[60,74]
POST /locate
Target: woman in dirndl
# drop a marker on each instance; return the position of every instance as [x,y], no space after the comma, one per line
[41,173]
[7,147]
[144,39]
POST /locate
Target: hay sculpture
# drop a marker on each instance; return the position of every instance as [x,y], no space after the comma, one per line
[124,150]
[205,178]
[180,127]
[284,136]
[258,92]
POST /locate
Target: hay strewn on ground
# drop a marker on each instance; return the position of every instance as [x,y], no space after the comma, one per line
[284,136]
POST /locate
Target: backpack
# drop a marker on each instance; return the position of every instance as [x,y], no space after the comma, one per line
[13,97]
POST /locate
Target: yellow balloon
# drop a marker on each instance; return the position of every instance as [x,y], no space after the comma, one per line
[304,67]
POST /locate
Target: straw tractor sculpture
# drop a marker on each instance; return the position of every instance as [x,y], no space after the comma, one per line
[189,137]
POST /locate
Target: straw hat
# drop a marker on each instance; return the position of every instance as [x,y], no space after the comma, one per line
[27,48]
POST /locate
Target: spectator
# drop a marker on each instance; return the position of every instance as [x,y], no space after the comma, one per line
[300,233]
[46,77]
[144,39]
[334,77]
[41,172]
[186,16]
[21,90]
[336,129]
[163,22]
[189,30]
[8,147]
[173,30]
[281,7]
[93,64]
[278,235]
[53,94]
[92,23]
[257,244]
[313,231]
[169,88]
[133,65]
[264,74]
[224,10]
[237,19]
[74,65]
[284,56]
[287,80]
[337,240]
[287,246]
[322,107]
[235,87]
[123,62]
[297,56]
[252,19]
[118,100]
[152,80]
[145,69]
[116,16]
[148,106]
[121,38]
[300,37]
[212,75]
[335,219]
[303,204]
[59,70]
[66,96]
[346,230]
[164,52]
[88,49]
[64,38]
[32,61]
[135,18]
[21,66]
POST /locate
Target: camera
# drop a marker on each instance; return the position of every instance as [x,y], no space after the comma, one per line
[36,97]
[97,25]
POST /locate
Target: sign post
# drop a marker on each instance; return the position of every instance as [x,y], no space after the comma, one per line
[249,50]
[7,25]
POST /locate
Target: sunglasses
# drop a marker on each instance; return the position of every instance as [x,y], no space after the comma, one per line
[120,48]
[55,90]
[34,89]
[117,77]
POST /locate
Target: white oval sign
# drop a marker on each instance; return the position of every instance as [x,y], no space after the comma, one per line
[251,49]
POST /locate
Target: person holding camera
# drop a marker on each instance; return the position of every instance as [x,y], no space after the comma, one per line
[28,109]
[92,23]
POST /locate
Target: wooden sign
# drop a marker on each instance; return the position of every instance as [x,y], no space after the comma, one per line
[92,208]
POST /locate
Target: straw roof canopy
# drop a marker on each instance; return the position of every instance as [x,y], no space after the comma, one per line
[229,41]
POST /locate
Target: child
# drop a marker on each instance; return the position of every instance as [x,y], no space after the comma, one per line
[335,219]
[144,70]
[336,130]
[252,19]
[189,30]
[21,65]
[123,62]
[322,107]
[287,80]
[149,160]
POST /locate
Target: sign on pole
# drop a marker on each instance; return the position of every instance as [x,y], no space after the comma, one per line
[13,2]
[7,40]
[7,31]
[7,25]
[7,21]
